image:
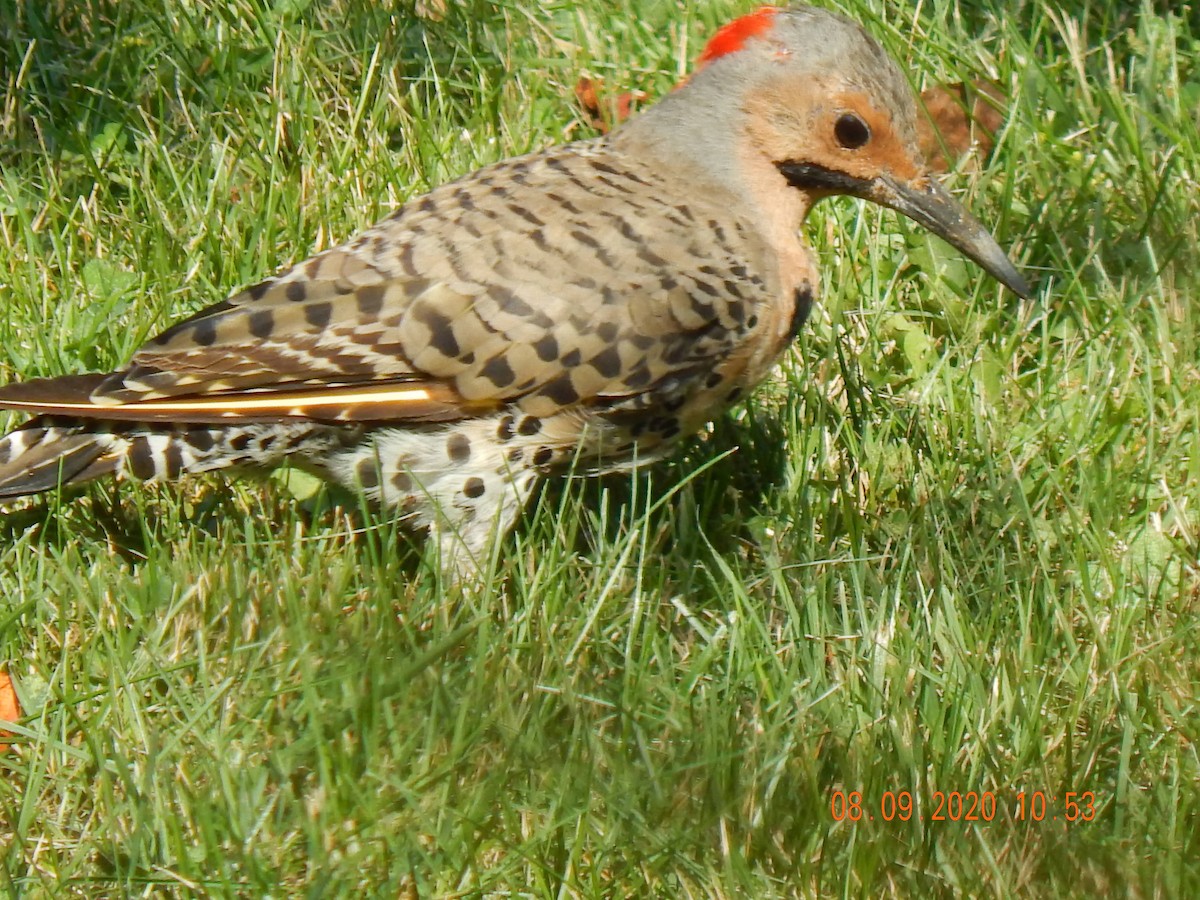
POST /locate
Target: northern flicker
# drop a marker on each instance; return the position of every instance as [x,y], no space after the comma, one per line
[581,306]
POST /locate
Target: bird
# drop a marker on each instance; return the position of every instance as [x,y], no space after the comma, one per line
[580,308]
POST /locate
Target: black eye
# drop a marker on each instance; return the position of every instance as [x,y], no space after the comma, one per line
[851,131]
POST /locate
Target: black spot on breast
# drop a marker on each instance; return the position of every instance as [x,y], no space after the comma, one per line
[295,291]
[474,487]
[402,482]
[529,425]
[505,431]
[803,300]
[367,472]
[239,442]
[458,447]
[543,456]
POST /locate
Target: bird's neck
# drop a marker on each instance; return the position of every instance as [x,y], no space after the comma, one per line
[702,136]
[700,133]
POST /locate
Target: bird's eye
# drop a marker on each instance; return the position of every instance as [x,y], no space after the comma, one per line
[851,131]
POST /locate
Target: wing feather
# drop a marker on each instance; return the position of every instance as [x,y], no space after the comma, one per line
[464,300]
[395,401]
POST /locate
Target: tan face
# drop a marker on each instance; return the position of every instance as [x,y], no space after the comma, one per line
[838,130]
[829,140]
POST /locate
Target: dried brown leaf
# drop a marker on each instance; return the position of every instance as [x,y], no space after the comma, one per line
[431,10]
[10,706]
[959,117]
[604,113]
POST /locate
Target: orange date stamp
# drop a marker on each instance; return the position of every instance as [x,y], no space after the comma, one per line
[965,806]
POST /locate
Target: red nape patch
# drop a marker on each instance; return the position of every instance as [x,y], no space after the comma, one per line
[732,37]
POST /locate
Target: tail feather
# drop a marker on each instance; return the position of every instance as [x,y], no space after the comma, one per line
[37,458]
[49,452]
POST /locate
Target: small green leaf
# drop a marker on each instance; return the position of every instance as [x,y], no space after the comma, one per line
[105,280]
[110,141]
[918,349]
[298,483]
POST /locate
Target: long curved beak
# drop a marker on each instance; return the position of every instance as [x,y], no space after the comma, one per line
[933,207]
[926,203]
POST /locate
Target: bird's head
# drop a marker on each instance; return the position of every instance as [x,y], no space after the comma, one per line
[834,115]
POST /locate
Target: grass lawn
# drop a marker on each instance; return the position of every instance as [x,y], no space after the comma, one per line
[948,552]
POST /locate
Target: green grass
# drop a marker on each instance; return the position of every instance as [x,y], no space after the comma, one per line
[952,546]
